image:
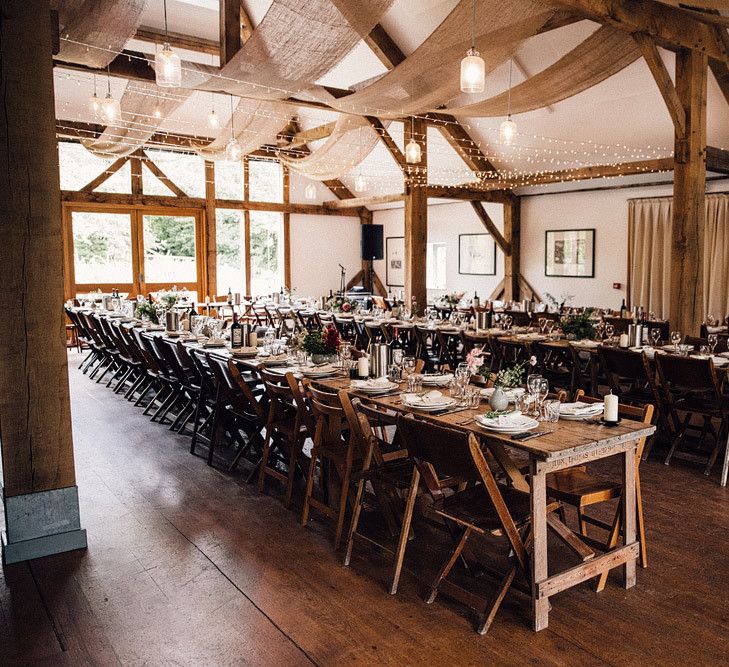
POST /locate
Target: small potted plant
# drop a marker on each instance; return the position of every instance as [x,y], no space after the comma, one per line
[321,345]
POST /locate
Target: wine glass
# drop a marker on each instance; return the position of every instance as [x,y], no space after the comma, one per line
[408,365]
[655,336]
[712,339]
[542,389]
[676,338]
[397,357]
[610,331]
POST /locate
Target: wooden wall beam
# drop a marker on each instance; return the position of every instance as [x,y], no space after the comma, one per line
[512,262]
[161,176]
[717,160]
[487,222]
[689,182]
[302,137]
[211,250]
[136,174]
[671,27]
[466,194]
[105,175]
[388,142]
[720,70]
[662,78]
[178,40]
[416,220]
[358,202]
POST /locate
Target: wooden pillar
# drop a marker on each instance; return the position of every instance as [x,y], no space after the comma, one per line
[39,492]
[416,217]
[287,229]
[211,254]
[512,261]
[689,183]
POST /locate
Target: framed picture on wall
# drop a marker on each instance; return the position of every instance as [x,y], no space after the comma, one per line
[570,252]
[395,261]
[476,255]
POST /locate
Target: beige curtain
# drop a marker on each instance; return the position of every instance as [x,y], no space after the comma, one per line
[716,256]
[649,255]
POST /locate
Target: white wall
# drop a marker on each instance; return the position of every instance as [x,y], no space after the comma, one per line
[445,223]
[319,243]
[605,211]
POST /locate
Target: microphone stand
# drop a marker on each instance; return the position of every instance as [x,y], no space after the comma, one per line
[342,280]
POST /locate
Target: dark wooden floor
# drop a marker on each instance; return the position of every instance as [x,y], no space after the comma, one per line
[188,565]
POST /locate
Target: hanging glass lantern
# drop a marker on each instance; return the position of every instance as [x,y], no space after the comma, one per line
[507,131]
[360,183]
[95,105]
[233,151]
[413,152]
[473,72]
[168,68]
[310,191]
[109,108]
[213,120]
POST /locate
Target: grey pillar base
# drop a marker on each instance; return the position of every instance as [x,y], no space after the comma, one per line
[41,524]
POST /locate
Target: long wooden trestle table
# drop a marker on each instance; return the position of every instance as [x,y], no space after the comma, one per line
[570,443]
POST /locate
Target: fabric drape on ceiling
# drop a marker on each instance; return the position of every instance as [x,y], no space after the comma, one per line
[604,53]
[716,256]
[256,122]
[351,141]
[295,44]
[429,77]
[108,24]
[649,254]
[138,121]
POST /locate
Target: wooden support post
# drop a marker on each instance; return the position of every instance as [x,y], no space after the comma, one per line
[232,32]
[211,286]
[416,218]
[136,174]
[689,183]
[39,493]
[512,262]
[287,231]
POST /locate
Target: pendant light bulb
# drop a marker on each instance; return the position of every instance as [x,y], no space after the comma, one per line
[168,68]
[95,105]
[157,112]
[413,153]
[213,120]
[360,183]
[310,191]
[233,151]
[507,132]
[110,110]
[473,72]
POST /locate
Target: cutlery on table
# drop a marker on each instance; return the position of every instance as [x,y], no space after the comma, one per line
[528,435]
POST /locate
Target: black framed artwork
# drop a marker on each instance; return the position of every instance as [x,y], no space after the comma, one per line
[395,261]
[476,255]
[569,253]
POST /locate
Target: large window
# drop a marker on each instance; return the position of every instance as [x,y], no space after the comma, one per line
[266,252]
[102,248]
[229,236]
[265,181]
[169,249]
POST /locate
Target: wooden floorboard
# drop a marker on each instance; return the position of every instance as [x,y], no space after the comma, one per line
[190,565]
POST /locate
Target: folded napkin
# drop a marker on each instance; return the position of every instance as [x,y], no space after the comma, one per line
[585,343]
[513,418]
[580,408]
[372,383]
[214,343]
[430,398]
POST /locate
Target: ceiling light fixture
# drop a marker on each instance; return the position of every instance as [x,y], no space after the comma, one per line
[473,67]
[507,129]
[413,153]
[109,107]
[94,102]
[167,65]
[233,151]
[310,191]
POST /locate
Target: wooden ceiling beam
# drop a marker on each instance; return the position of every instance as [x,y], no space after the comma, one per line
[663,80]
[388,141]
[467,194]
[303,137]
[235,29]
[671,27]
[178,40]
[717,160]
[487,222]
[363,201]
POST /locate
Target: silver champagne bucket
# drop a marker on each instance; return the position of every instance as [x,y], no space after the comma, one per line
[635,335]
[172,320]
[482,320]
[380,359]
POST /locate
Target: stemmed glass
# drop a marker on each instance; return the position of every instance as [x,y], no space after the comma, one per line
[463,377]
[532,383]
[408,365]
[676,338]
[712,339]
[655,336]
[269,338]
[610,331]
[542,389]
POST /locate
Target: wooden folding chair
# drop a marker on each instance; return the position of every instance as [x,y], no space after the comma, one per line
[580,488]
[481,507]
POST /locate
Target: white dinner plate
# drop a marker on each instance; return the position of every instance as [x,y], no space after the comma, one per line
[517,425]
[431,407]
[437,379]
[366,388]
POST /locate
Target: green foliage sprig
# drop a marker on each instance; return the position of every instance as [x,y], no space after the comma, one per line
[147,309]
[580,326]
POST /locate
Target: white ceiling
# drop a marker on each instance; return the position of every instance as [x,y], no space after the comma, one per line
[625,114]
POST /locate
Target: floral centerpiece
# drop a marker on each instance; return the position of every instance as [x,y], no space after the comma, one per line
[452,299]
[476,361]
[321,345]
[153,309]
[579,326]
[506,378]
[341,304]
[148,310]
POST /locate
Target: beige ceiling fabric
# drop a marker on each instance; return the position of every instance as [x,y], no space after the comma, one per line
[138,121]
[106,24]
[605,53]
[429,78]
[352,140]
[256,122]
[295,44]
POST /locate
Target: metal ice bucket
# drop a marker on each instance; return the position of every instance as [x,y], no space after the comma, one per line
[172,320]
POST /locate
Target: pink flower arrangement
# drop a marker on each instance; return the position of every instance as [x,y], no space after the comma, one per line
[475,360]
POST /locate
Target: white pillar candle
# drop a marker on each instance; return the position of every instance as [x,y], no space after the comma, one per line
[363,366]
[624,340]
[253,339]
[611,408]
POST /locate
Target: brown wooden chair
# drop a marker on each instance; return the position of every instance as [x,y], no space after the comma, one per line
[287,428]
[334,449]
[691,386]
[387,469]
[481,507]
[580,488]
